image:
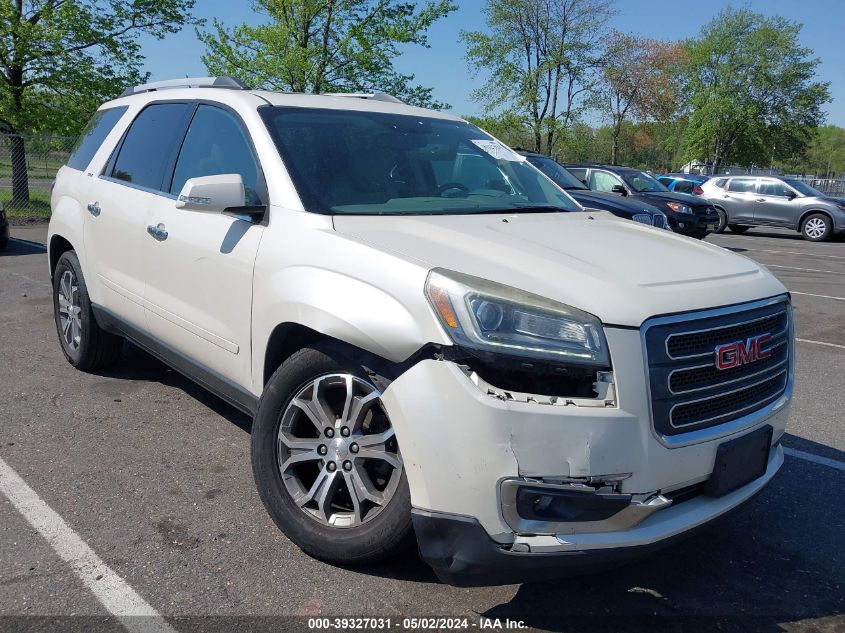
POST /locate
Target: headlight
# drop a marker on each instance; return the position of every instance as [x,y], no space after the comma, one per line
[492,317]
[645,218]
[677,207]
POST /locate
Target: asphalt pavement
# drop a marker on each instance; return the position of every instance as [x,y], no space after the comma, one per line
[141,482]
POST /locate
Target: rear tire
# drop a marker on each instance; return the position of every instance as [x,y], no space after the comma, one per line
[817,227]
[85,345]
[737,228]
[308,465]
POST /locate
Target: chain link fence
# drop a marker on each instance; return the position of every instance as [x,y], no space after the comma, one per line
[28,165]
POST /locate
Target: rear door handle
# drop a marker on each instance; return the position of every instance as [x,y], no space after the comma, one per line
[94,208]
[157,232]
[761,199]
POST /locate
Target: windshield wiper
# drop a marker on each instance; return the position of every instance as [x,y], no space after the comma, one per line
[530,208]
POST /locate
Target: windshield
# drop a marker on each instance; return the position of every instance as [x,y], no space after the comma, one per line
[803,188]
[351,162]
[640,181]
[560,176]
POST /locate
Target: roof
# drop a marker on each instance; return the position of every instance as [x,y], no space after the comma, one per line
[236,95]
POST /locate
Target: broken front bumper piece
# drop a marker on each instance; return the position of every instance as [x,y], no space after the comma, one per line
[462,553]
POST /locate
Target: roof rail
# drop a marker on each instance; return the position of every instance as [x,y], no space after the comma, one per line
[188,82]
[373,96]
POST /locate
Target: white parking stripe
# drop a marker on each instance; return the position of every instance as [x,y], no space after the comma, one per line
[806,270]
[763,250]
[806,340]
[817,459]
[810,294]
[110,589]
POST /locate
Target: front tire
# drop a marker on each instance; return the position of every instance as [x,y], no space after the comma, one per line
[326,461]
[85,345]
[816,227]
[738,229]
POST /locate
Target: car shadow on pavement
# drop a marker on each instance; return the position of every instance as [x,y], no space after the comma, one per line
[136,364]
[16,248]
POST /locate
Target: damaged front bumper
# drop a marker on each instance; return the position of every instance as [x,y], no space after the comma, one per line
[467,448]
[461,553]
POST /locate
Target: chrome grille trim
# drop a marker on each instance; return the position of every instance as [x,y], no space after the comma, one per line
[658,367]
[714,329]
[723,394]
[726,382]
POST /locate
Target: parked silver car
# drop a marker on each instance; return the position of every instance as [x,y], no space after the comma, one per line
[746,201]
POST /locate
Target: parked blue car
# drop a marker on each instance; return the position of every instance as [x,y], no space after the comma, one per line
[683,183]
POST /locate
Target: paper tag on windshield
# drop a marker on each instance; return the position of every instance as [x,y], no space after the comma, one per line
[498,150]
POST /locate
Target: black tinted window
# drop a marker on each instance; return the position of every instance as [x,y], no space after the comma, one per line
[720,182]
[215,144]
[684,186]
[742,184]
[149,144]
[95,133]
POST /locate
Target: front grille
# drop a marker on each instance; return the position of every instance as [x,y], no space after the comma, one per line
[688,390]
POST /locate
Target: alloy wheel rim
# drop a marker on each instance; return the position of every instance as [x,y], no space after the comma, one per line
[815,227]
[70,312]
[337,452]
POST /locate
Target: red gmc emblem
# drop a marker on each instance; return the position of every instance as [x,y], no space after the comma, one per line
[732,355]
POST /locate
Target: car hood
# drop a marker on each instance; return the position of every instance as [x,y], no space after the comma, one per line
[620,271]
[586,197]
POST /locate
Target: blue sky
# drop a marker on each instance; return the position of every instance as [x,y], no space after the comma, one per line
[443,67]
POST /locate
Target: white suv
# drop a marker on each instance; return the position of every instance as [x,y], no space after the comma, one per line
[434,339]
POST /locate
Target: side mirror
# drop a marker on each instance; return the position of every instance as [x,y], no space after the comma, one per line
[619,189]
[791,195]
[212,193]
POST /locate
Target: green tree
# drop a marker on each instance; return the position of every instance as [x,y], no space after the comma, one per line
[542,58]
[326,46]
[638,82]
[508,127]
[753,97]
[60,59]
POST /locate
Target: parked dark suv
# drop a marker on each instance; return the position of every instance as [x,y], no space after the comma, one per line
[688,215]
[636,210]
[746,201]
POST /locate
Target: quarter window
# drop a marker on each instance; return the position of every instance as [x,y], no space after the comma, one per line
[741,185]
[149,144]
[95,133]
[216,144]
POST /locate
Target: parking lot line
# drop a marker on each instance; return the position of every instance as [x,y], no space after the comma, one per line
[806,270]
[130,609]
[799,253]
[806,340]
[810,294]
[817,459]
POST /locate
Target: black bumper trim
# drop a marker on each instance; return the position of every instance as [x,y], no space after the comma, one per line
[462,553]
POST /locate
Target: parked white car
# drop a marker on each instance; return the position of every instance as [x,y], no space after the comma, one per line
[434,340]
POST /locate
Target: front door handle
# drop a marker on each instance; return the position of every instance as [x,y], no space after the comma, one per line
[94,208]
[761,199]
[157,232]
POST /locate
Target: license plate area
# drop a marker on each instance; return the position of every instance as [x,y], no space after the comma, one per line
[711,227]
[739,462]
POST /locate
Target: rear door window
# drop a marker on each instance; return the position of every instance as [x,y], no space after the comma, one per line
[95,133]
[773,188]
[149,146]
[684,186]
[603,180]
[216,144]
[742,185]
